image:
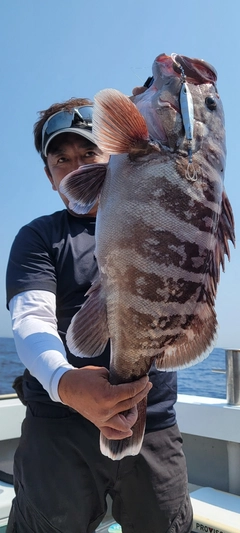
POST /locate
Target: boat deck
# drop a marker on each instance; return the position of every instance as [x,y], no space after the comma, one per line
[211,442]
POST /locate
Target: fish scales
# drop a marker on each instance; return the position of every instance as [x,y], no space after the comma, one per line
[162,229]
[136,218]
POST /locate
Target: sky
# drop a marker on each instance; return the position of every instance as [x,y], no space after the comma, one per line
[51,50]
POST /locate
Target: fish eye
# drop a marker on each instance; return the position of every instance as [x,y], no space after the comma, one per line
[210,103]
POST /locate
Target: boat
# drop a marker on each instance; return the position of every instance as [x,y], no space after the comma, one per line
[210,429]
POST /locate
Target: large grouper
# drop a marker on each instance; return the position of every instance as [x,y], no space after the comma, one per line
[162,228]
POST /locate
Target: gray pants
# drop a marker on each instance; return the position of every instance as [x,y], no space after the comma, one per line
[62,479]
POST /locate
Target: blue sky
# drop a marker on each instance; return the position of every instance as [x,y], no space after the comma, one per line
[51,50]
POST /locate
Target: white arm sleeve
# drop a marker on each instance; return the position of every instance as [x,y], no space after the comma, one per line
[38,343]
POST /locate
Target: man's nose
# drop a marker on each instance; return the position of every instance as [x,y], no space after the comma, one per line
[79,161]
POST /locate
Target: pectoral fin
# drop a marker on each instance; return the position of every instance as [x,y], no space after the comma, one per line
[83,187]
[118,126]
[88,333]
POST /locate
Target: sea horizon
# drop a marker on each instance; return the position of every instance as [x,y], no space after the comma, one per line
[204,378]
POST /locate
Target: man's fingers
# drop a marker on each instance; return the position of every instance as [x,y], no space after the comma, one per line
[129,403]
[115,434]
[138,90]
[130,416]
[122,421]
[131,390]
[119,427]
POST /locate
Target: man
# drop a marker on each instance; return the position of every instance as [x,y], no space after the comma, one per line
[61,478]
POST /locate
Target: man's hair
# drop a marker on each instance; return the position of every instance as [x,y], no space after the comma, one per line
[44,115]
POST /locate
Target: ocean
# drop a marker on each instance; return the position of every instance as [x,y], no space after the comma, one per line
[199,380]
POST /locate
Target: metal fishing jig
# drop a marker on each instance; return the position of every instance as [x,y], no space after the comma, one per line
[187,112]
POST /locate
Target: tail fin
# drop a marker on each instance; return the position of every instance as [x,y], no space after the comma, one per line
[117,449]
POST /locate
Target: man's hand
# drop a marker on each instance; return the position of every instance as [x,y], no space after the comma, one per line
[138,90]
[88,391]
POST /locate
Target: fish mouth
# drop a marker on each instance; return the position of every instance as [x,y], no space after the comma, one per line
[197,71]
[170,72]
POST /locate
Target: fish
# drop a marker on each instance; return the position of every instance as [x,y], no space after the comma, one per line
[163,227]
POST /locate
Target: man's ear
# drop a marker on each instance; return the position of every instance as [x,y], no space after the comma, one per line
[49,175]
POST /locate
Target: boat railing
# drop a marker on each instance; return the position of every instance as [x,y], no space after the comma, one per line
[232,372]
[8,396]
[233,376]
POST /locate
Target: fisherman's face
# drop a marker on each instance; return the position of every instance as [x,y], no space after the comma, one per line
[67,152]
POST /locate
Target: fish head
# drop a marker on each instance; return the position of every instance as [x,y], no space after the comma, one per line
[160,107]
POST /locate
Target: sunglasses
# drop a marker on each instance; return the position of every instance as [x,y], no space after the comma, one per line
[78,117]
